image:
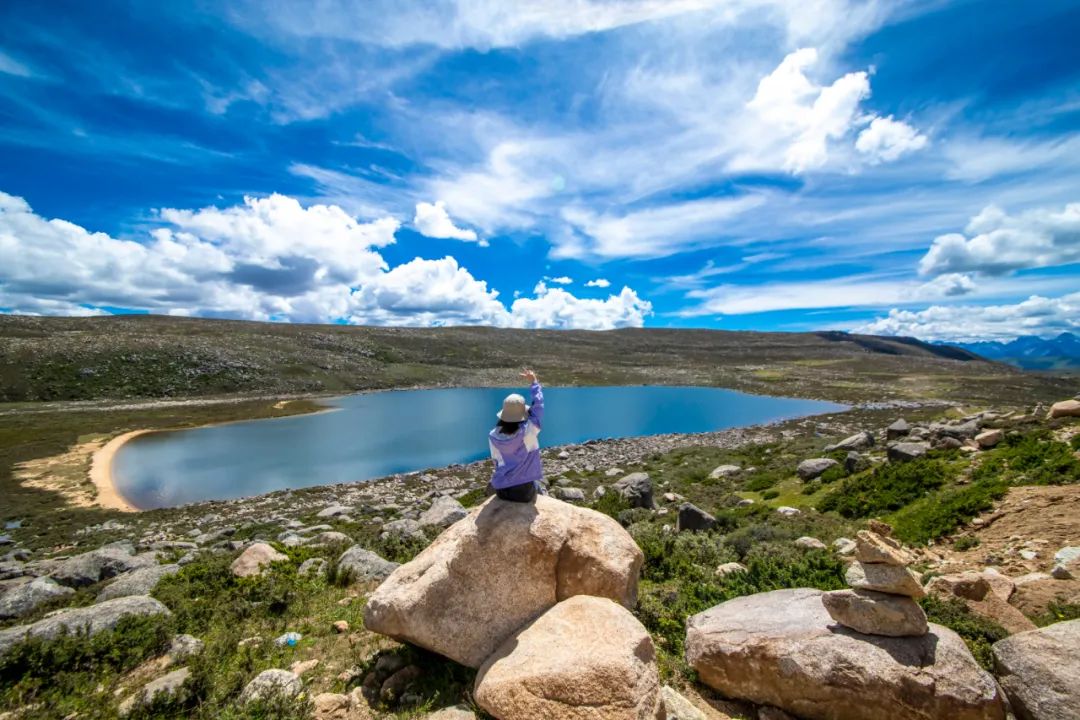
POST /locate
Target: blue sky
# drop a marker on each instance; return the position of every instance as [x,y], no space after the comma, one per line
[890,167]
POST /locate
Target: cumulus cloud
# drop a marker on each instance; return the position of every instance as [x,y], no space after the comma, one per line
[948,285]
[433,221]
[961,323]
[557,308]
[267,259]
[996,243]
[885,139]
[561,280]
[599,283]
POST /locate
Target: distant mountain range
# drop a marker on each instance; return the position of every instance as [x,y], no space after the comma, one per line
[1031,352]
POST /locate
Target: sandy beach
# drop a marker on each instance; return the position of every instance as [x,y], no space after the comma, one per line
[101,473]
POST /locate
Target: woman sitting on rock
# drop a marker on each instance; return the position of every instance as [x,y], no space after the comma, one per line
[515,447]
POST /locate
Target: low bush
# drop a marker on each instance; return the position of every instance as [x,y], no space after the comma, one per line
[977,632]
[942,512]
[770,494]
[966,543]
[1058,612]
[888,488]
[1032,459]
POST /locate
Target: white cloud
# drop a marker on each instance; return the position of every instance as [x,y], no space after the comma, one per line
[998,243]
[886,139]
[948,285]
[961,323]
[561,280]
[556,308]
[599,283]
[268,259]
[433,221]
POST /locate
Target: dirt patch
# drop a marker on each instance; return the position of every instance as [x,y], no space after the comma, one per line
[67,474]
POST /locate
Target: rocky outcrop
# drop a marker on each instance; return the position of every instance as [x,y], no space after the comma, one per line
[167,686]
[691,517]
[24,599]
[362,565]
[1065,408]
[270,684]
[898,429]
[814,467]
[256,559]
[906,451]
[138,582]
[444,512]
[101,564]
[91,620]
[975,590]
[782,649]
[499,568]
[587,658]
[858,441]
[637,489]
[1040,671]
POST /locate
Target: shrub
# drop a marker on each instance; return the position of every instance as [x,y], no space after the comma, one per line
[978,632]
[944,511]
[473,497]
[1058,612]
[966,543]
[888,488]
[1074,442]
[611,503]
[762,481]
[1032,459]
[770,494]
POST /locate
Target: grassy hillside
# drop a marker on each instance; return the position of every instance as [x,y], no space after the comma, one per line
[162,357]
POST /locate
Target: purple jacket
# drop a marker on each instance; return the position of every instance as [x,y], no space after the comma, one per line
[517,456]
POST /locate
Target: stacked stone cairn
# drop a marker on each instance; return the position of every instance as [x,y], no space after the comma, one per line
[884,590]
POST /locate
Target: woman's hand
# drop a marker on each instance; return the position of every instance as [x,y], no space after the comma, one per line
[529,375]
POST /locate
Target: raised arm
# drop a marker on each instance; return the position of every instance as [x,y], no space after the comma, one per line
[536,409]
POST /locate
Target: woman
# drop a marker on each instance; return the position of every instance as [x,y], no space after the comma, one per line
[515,447]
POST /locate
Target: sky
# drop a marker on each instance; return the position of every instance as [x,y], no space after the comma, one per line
[895,167]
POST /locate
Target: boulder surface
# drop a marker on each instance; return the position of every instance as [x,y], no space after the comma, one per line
[875,613]
[92,620]
[25,598]
[256,559]
[497,569]
[781,648]
[1040,671]
[587,658]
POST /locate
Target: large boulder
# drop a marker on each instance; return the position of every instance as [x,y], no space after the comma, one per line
[166,686]
[637,489]
[858,441]
[269,685]
[1065,408]
[812,468]
[587,658]
[256,559]
[499,568]
[24,599]
[898,429]
[1040,671]
[691,517]
[96,565]
[444,512]
[91,620]
[975,590]
[137,582]
[361,565]
[905,451]
[782,649]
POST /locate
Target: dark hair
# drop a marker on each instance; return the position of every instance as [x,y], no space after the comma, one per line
[507,428]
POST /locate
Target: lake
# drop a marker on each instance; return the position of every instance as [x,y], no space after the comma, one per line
[376,434]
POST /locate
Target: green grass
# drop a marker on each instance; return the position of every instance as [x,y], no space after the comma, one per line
[942,512]
[888,487]
[978,633]
[1034,458]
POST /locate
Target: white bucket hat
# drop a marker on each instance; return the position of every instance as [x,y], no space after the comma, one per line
[514,409]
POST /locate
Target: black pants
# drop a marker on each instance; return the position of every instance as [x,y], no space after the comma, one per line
[523,493]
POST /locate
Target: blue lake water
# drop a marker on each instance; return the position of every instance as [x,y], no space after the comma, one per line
[382,433]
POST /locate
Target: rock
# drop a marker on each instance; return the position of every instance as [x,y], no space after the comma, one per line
[874,613]
[989,438]
[810,543]
[676,707]
[975,590]
[724,471]
[183,647]
[781,648]
[300,667]
[271,684]
[24,599]
[91,620]
[395,685]
[256,559]
[96,565]
[948,443]
[312,566]
[788,511]
[444,512]
[138,582]
[730,568]
[961,431]
[331,537]
[768,712]
[858,441]
[1065,408]
[586,658]
[745,502]
[570,494]
[330,706]
[405,527]
[1001,585]
[691,517]
[341,626]
[458,712]
[637,489]
[892,579]
[465,575]
[871,547]
[844,546]
[1040,671]
[361,565]
[898,429]
[332,511]
[905,451]
[967,585]
[812,468]
[166,686]
[1060,572]
[856,463]
[1068,556]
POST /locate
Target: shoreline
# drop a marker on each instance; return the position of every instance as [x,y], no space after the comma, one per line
[101,473]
